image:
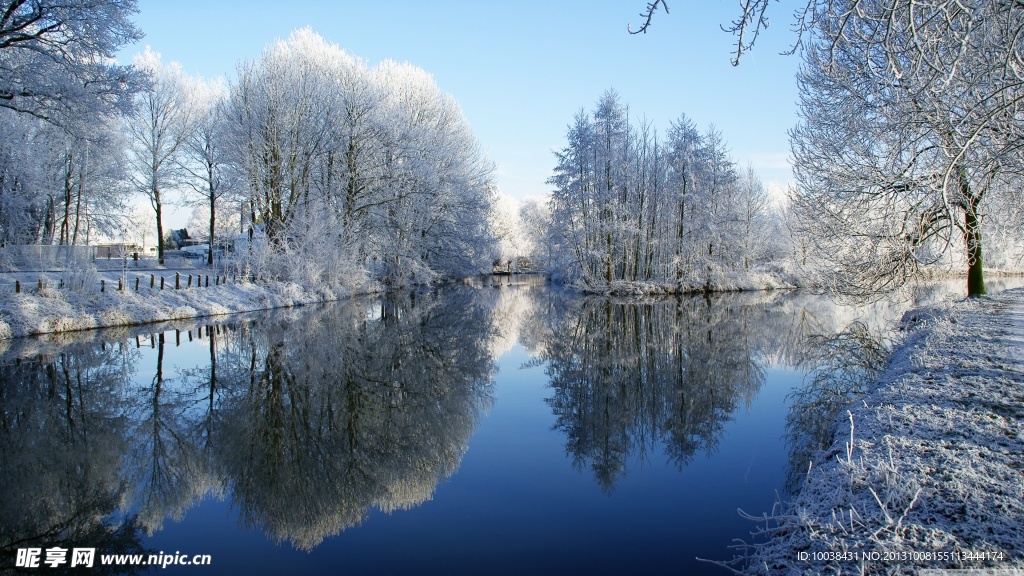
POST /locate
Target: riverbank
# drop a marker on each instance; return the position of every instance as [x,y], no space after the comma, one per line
[925,471]
[34,311]
[777,276]
[780,276]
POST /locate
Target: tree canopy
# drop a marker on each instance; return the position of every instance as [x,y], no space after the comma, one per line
[910,125]
[57,57]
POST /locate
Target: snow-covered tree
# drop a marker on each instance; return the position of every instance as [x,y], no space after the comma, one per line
[629,208]
[371,170]
[87,180]
[281,111]
[58,184]
[158,130]
[57,57]
[574,236]
[754,218]
[535,225]
[210,177]
[433,206]
[910,122]
[514,242]
[23,208]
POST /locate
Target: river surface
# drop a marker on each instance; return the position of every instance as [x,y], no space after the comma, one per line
[502,427]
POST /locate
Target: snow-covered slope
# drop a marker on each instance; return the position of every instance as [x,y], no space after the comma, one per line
[926,470]
[49,310]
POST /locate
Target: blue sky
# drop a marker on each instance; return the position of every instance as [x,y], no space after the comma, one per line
[521,69]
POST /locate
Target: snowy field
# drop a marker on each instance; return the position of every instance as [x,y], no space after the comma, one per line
[926,470]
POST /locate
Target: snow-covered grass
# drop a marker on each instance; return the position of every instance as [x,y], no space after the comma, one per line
[71,307]
[925,470]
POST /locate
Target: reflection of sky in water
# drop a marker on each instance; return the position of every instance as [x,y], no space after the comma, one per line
[504,490]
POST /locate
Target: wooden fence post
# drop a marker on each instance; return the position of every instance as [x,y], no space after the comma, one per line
[177,280]
[17,287]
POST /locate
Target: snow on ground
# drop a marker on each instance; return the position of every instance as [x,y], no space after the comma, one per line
[62,309]
[927,469]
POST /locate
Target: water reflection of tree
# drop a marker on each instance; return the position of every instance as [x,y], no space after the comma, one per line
[629,376]
[62,439]
[839,368]
[361,408]
[165,467]
[309,419]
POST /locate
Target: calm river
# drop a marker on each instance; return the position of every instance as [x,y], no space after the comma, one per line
[506,427]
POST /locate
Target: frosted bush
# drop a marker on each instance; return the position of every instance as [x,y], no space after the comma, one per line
[80,274]
[60,323]
[925,466]
[6,262]
[115,317]
[183,312]
[49,292]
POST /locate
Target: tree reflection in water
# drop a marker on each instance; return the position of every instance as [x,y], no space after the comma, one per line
[628,377]
[62,439]
[360,409]
[306,424]
[839,368]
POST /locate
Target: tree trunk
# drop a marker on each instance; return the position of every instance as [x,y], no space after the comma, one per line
[159,227]
[78,211]
[681,231]
[975,275]
[213,212]
[65,225]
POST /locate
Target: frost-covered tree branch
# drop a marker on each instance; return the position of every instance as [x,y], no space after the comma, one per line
[371,170]
[56,57]
[208,174]
[648,16]
[162,123]
[909,123]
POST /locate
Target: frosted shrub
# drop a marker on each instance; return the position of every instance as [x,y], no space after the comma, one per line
[80,274]
[6,262]
[252,258]
[314,256]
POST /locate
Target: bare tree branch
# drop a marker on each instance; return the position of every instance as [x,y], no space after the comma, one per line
[648,15]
